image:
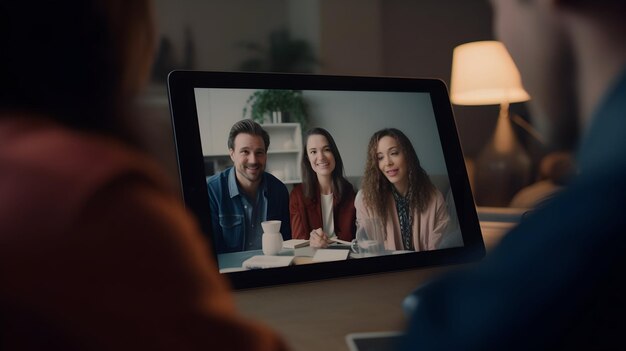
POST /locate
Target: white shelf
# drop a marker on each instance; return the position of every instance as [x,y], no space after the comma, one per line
[285,151]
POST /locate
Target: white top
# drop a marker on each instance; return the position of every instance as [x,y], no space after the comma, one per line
[328,222]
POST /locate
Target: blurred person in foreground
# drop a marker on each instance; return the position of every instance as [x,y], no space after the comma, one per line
[555,281]
[96,250]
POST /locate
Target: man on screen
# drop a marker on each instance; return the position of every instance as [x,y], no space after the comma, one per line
[243,196]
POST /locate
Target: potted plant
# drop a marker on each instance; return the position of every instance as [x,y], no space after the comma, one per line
[277,106]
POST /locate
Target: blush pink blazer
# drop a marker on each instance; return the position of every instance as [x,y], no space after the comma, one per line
[428,227]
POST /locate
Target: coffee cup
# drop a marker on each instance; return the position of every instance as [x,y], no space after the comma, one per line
[272,240]
[271,226]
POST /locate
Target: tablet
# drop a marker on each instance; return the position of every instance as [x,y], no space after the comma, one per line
[205,105]
[374,341]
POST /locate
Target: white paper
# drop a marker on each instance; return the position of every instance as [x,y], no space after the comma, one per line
[326,255]
[261,261]
[295,243]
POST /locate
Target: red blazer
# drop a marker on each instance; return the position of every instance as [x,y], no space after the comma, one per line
[306,214]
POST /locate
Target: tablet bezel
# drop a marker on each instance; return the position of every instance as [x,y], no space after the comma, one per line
[180,86]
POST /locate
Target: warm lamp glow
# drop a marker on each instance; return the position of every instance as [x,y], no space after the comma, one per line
[483,73]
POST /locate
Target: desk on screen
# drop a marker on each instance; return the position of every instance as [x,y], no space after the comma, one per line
[231,261]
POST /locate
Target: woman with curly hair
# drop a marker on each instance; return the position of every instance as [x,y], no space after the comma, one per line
[397,190]
[322,207]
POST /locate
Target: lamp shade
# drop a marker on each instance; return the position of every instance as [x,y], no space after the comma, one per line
[483,73]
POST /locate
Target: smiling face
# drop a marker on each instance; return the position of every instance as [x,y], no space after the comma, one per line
[249,158]
[392,163]
[320,155]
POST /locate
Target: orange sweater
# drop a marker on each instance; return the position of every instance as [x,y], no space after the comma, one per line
[96,252]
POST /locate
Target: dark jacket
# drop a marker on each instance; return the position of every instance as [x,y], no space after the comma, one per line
[557,280]
[227,213]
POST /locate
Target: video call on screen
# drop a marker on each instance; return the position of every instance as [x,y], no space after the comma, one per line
[351,117]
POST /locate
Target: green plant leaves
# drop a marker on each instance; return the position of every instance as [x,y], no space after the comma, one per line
[290,102]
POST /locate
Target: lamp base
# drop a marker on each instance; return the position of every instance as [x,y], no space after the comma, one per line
[502,167]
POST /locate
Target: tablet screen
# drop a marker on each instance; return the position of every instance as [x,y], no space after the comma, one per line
[372,165]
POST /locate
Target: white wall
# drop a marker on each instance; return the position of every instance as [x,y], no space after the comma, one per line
[218,110]
[350,117]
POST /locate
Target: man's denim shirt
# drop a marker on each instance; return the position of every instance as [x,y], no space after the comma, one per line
[228,215]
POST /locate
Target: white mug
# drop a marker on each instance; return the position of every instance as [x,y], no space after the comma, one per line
[272,240]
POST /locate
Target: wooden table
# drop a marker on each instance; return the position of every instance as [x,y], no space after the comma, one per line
[318,315]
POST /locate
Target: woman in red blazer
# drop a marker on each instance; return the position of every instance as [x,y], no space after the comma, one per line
[322,207]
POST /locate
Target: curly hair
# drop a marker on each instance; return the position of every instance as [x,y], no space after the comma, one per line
[376,188]
[309,179]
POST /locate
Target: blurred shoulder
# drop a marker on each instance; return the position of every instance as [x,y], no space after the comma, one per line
[45,164]
[61,152]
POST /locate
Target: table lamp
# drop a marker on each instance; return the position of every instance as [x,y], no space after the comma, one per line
[483,73]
